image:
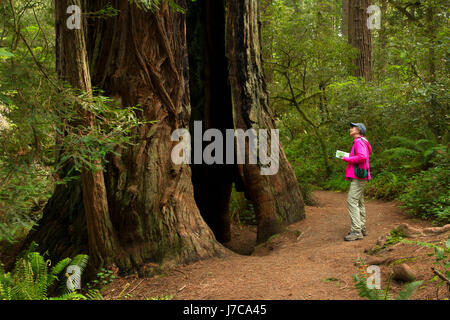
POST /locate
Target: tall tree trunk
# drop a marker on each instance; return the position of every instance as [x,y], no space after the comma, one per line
[73,67]
[277,198]
[383,38]
[344,22]
[431,33]
[359,36]
[435,111]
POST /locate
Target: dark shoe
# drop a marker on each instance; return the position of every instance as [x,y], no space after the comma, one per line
[364,232]
[352,236]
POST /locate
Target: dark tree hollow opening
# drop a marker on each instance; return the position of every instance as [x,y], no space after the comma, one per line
[211,103]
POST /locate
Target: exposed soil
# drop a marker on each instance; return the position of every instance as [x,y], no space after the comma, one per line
[310,261]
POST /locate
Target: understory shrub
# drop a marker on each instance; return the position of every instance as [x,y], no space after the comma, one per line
[336,182]
[386,186]
[427,195]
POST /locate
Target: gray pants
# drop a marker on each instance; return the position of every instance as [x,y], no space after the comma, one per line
[355,205]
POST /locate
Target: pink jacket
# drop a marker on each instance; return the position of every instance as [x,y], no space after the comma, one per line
[358,155]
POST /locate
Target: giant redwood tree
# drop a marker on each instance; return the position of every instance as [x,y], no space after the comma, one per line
[144,208]
[359,35]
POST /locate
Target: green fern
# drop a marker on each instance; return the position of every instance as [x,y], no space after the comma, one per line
[411,154]
[364,291]
[377,294]
[31,278]
[408,290]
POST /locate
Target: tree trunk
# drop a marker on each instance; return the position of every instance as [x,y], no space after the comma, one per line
[359,36]
[344,22]
[383,38]
[156,207]
[277,198]
[72,67]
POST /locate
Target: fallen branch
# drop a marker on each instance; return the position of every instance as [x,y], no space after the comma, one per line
[129,292]
[124,289]
[441,276]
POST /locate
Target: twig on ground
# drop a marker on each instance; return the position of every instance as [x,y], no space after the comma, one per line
[184,274]
[440,275]
[302,233]
[346,285]
[123,290]
[136,286]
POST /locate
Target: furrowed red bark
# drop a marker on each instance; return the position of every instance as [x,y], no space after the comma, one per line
[277,198]
[72,67]
[359,37]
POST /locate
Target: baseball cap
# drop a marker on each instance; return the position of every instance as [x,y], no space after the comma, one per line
[362,127]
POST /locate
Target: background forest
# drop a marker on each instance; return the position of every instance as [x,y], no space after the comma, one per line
[313,94]
[404,105]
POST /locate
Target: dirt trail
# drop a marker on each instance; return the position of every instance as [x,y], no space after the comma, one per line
[295,268]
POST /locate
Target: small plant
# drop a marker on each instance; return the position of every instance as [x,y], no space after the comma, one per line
[31,278]
[364,291]
[241,210]
[104,277]
[442,256]
[395,237]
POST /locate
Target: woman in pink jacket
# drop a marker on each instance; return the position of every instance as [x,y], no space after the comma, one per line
[358,172]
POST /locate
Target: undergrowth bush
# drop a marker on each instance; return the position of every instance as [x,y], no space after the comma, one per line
[336,182]
[427,195]
[386,186]
[241,209]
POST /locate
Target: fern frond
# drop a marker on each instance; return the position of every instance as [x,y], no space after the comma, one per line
[429,153]
[408,290]
[81,261]
[40,273]
[400,153]
[57,269]
[94,294]
[425,144]
[364,291]
[405,142]
[70,296]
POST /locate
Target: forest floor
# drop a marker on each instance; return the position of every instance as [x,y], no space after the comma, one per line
[310,261]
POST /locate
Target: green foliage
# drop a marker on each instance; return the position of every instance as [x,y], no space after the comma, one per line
[39,116]
[403,107]
[32,278]
[153,5]
[104,277]
[360,283]
[386,185]
[442,258]
[411,154]
[395,236]
[364,291]
[427,194]
[408,290]
[241,209]
[112,126]
[336,182]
